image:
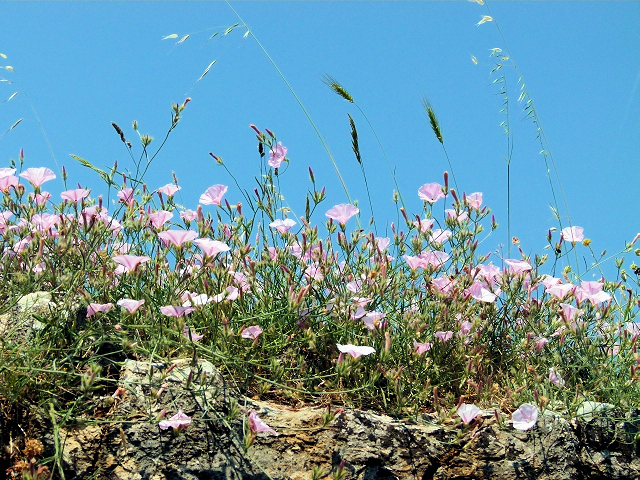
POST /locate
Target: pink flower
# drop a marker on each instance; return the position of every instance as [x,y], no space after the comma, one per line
[313,272]
[465,328]
[191,334]
[382,243]
[130,262]
[443,284]
[517,266]
[439,236]
[572,234]
[252,332]
[481,293]
[555,378]
[373,320]
[458,217]
[189,215]
[213,195]
[176,311]
[130,305]
[256,425]
[211,248]
[126,196]
[356,351]
[525,417]
[430,192]
[159,218]
[6,172]
[560,290]
[283,226]
[488,272]
[435,258]
[194,299]
[277,155]
[37,176]
[548,281]
[444,336]
[178,422]
[75,195]
[424,225]
[475,200]
[94,308]
[343,212]
[421,348]
[415,262]
[177,237]
[592,291]
[540,343]
[468,412]
[8,181]
[169,189]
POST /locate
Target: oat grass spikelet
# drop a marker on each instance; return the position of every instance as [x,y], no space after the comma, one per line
[334,85]
[435,126]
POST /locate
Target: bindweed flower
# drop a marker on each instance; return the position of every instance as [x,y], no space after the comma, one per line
[430,192]
[421,348]
[444,336]
[283,226]
[126,196]
[560,290]
[94,308]
[211,248]
[356,351]
[572,234]
[277,155]
[481,293]
[252,332]
[517,266]
[475,200]
[169,189]
[468,412]
[159,218]
[213,195]
[188,215]
[540,343]
[525,417]
[130,262]
[191,334]
[130,305]
[75,195]
[176,311]
[37,176]
[555,378]
[424,225]
[257,425]
[178,422]
[177,237]
[343,212]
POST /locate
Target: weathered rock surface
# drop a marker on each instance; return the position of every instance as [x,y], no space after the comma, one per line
[130,445]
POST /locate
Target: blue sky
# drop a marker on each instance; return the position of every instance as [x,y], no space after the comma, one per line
[83,65]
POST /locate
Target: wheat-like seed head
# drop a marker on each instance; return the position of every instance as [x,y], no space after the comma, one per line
[435,126]
[334,85]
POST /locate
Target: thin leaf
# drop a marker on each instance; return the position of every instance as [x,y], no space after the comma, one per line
[228,30]
[10,97]
[173,35]
[485,18]
[182,39]
[246,34]
[13,126]
[207,70]
[3,55]
[212,36]
[474,60]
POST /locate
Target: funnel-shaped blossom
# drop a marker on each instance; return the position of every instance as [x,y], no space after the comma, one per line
[488,272]
[593,292]
[276,155]
[190,334]
[415,262]
[374,320]
[45,221]
[435,258]
[37,176]
[421,348]
[75,195]
[548,281]
[555,378]
[439,236]
[573,234]
[213,195]
[517,266]
[560,290]
[256,425]
[6,172]
[94,308]
[129,304]
[481,293]
[283,226]
[126,196]
[169,189]
[252,332]
[8,181]
[188,215]
[424,225]
[343,212]
[178,422]
[176,311]
[525,417]
[457,216]
[430,192]
[444,336]
[211,248]
[130,262]
[468,412]
[177,237]
[356,351]
[443,284]
[159,218]
[475,200]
